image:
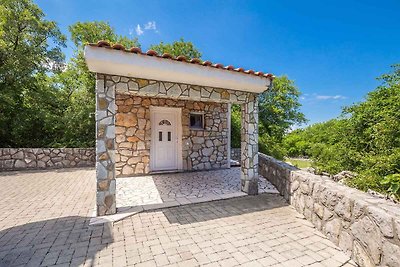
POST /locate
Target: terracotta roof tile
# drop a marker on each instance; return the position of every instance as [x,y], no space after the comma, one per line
[181,58]
[166,55]
[151,53]
[195,61]
[137,50]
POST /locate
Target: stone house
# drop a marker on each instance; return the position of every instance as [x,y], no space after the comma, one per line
[160,113]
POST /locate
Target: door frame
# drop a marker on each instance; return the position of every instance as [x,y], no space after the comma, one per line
[178,114]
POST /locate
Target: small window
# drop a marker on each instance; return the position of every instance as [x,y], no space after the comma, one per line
[169,136]
[160,136]
[164,122]
[196,120]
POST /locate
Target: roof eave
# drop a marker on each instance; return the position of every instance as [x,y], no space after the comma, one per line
[115,62]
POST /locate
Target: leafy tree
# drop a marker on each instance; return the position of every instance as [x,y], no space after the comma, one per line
[177,48]
[30,48]
[77,126]
[278,112]
[366,139]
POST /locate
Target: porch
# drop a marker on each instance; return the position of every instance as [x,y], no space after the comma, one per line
[153,191]
[157,113]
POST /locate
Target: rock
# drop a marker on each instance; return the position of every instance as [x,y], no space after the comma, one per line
[20,164]
[391,254]
[369,235]
[18,155]
[198,140]
[207,151]
[309,169]
[126,170]
[361,256]
[125,119]
[344,175]
[332,229]
[383,220]
[209,143]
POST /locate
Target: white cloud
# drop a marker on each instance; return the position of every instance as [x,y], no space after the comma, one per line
[139,30]
[327,97]
[151,25]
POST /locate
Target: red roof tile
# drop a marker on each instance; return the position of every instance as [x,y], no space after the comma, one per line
[137,50]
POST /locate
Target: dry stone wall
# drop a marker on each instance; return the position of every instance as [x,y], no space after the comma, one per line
[201,149]
[365,227]
[42,158]
[235,154]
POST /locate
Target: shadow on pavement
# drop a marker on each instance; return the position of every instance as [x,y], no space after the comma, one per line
[67,240]
[223,208]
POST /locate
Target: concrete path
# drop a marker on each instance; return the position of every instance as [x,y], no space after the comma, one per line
[44,221]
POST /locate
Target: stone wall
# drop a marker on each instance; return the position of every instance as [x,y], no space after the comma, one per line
[41,158]
[235,154]
[201,149]
[365,227]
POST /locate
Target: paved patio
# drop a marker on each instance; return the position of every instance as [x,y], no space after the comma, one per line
[174,189]
[44,221]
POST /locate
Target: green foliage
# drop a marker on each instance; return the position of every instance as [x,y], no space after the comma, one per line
[77,85]
[92,32]
[30,49]
[278,111]
[177,48]
[235,126]
[366,139]
[392,184]
[279,108]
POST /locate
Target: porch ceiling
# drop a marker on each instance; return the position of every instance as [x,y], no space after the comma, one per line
[148,66]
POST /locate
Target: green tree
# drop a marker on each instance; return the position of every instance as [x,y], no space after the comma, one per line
[279,110]
[76,128]
[30,48]
[177,48]
[365,139]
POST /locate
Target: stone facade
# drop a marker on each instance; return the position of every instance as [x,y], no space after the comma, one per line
[43,158]
[365,227]
[160,89]
[235,154]
[249,146]
[129,143]
[201,148]
[105,147]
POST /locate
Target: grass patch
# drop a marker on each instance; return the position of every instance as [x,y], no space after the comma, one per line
[299,163]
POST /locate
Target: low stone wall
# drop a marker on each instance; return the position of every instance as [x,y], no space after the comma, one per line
[365,227]
[41,158]
[235,154]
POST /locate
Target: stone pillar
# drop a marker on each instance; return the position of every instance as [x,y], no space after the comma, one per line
[105,146]
[249,146]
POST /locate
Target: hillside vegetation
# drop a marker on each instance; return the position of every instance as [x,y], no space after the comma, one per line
[365,139]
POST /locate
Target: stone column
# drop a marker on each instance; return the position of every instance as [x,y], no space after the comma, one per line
[105,146]
[249,146]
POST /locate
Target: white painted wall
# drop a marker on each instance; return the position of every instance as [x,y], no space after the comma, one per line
[115,62]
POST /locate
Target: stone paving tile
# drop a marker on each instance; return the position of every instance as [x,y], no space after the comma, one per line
[182,188]
[45,222]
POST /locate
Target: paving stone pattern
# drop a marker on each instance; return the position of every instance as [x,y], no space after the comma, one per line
[162,190]
[45,216]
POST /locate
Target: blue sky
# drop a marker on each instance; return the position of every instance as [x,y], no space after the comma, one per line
[333,50]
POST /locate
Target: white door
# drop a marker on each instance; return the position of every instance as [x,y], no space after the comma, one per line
[164,151]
